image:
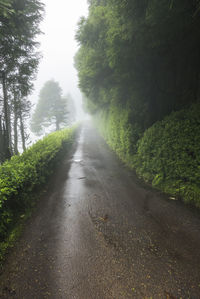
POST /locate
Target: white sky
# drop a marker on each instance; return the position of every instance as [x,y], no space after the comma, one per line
[58,46]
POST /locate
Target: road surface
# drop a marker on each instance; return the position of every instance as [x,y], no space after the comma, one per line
[99,233]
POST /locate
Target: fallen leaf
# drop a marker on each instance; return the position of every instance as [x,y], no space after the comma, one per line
[104,218]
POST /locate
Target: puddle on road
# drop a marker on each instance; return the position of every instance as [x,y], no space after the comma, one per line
[78,156]
[82,178]
[77,160]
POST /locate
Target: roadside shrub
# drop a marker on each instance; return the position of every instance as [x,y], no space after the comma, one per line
[168,154]
[118,131]
[23,173]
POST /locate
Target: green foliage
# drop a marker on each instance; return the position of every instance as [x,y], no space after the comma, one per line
[167,155]
[19,59]
[22,174]
[140,52]
[5,8]
[19,26]
[120,134]
[135,67]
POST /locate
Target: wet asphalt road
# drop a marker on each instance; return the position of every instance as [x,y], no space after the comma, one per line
[98,233]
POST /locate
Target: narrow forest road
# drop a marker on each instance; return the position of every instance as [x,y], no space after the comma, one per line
[98,233]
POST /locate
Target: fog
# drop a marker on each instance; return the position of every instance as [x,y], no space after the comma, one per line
[58,47]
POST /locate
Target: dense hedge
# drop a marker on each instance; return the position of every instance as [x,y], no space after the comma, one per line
[120,134]
[23,173]
[167,154]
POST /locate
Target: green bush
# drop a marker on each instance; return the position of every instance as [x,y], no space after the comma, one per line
[23,173]
[168,154]
[118,131]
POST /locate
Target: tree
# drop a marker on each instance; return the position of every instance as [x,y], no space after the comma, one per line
[5,7]
[19,26]
[51,110]
[136,54]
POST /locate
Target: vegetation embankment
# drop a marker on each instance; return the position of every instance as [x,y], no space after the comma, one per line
[166,155]
[22,175]
[136,72]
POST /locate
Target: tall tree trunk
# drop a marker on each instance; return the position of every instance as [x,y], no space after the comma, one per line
[10,132]
[22,131]
[6,116]
[15,126]
[1,142]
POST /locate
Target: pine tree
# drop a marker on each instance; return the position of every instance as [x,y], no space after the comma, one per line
[51,110]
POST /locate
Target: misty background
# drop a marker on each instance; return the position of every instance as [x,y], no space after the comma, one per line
[58,47]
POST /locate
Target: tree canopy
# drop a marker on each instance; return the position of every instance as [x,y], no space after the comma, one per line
[140,54]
